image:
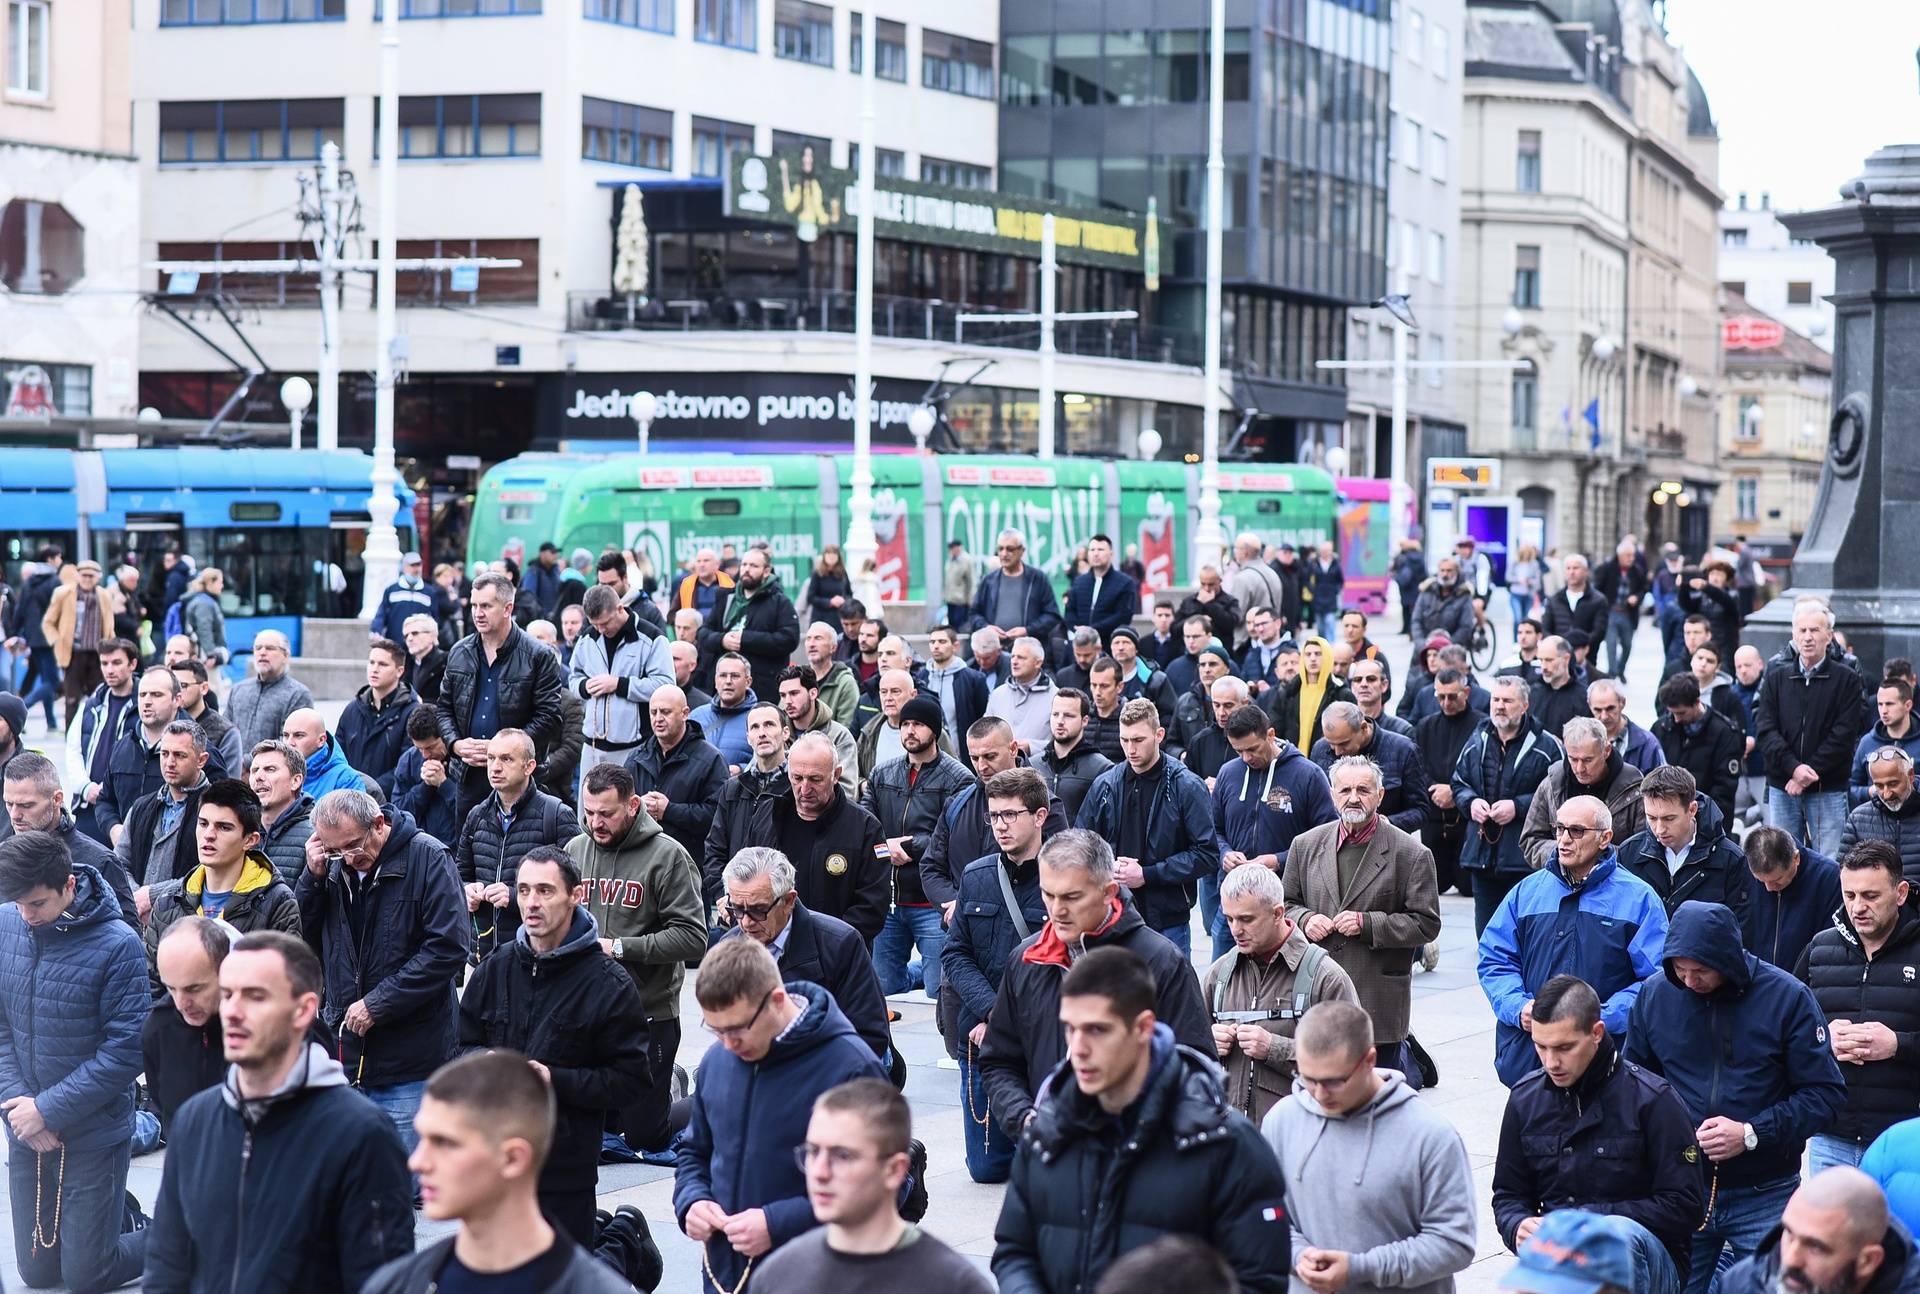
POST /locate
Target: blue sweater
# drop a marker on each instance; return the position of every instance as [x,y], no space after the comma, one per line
[1257,816]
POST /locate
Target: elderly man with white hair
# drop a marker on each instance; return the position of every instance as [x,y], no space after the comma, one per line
[839,685]
[1015,600]
[1807,720]
[1025,700]
[1607,699]
[992,663]
[259,704]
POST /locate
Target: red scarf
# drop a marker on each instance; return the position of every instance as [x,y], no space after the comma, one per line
[1361,836]
[1051,949]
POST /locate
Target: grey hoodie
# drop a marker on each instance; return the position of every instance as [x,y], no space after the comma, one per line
[1389,1184]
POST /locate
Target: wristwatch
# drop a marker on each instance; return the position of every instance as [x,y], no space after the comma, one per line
[620,955]
[1752,1138]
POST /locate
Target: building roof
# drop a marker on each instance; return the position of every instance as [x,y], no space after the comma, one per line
[1516,41]
[1791,351]
[1699,111]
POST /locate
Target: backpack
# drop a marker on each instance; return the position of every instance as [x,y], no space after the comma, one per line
[1302,982]
[176,621]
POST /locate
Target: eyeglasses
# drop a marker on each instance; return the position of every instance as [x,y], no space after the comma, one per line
[758,911]
[727,1032]
[837,1157]
[1572,830]
[1332,1084]
[1006,817]
[1010,548]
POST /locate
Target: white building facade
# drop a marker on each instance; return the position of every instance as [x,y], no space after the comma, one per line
[1788,278]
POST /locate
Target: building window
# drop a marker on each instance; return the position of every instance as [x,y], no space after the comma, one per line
[1733,238]
[956,64]
[1752,417]
[1746,498]
[466,125]
[647,15]
[42,247]
[1412,142]
[249,288]
[787,143]
[208,13]
[1525,398]
[714,142]
[515,286]
[734,23]
[803,32]
[1799,294]
[1409,250]
[1436,257]
[1526,277]
[626,134]
[212,131]
[28,56]
[1413,45]
[891,37]
[1440,47]
[461,8]
[31,389]
[955,175]
[1526,163]
[888,163]
[1437,157]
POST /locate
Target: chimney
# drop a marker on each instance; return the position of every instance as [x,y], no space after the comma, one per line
[1743,199]
[1766,200]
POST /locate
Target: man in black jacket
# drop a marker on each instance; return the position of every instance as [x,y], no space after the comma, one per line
[907,795]
[756,619]
[677,772]
[570,1009]
[1558,696]
[181,1046]
[839,855]
[514,819]
[1134,1138]
[1023,1044]
[337,1203]
[1590,1130]
[426,663]
[764,777]
[380,903]
[156,840]
[1685,852]
[1807,720]
[1068,763]
[372,731]
[1440,738]
[1623,583]
[1857,970]
[1576,605]
[33,801]
[497,677]
[1699,739]
[963,834]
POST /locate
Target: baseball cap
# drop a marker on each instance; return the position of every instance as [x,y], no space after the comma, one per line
[409,559]
[87,564]
[1573,1252]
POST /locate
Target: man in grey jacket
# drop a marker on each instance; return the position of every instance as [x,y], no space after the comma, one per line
[1346,1123]
[259,705]
[617,666]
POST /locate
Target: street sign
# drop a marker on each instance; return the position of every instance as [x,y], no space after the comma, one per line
[1464,473]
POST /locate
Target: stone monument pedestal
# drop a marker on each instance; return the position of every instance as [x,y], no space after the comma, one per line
[1861,550]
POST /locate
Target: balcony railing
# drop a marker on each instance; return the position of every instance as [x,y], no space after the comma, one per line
[903,318]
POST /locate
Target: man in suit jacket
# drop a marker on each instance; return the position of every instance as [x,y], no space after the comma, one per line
[1365,891]
[1015,601]
[1102,596]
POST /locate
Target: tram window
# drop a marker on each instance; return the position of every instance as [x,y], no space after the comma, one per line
[1266,505]
[719,507]
[269,572]
[512,513]
[257,511]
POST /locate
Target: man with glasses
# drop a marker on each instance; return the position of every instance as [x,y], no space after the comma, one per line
[1414,1229]
[1891,813]
[1367,680]
[737,1189]
[1589,766]
[1016,601]
[1581,914]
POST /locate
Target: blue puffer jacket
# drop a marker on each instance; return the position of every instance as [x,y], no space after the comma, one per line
[73,999]
[748,1117]
[1489,771]
[1608,931]
[725,726]
[328,770]
[1261,813]
[1893,1160]
[417,936]
[1754,1050]
[1180,838]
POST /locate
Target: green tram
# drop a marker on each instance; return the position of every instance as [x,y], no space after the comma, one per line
[666,507]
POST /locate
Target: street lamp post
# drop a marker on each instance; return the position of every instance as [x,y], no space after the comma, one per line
[1208,540]
[863,545]
[644,408]
[382,556]
[296,393]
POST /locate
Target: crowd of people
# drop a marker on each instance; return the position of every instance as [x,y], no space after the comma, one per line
[428,959]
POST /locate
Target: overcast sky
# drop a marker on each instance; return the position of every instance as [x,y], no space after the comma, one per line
[1802,90]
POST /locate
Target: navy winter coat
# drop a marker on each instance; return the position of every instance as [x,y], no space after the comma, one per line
[1042,612]
[1180,838]
[1119,602]
[1487,770]
[1754,1050]
[1715,870]
[1777,927]
[980,939]
[827,951]
[434,808]
[374,740]
[1261,813]
[748,1116]
[417,937]
[1406,803]
[73,999]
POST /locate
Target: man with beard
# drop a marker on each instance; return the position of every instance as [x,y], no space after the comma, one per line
[1494,782]
[1440,738]
[907,796]
[757,620]
[763,778]
[1575,606]
[1069,763]
[1347,732]
[33,801]
[1590,766]
[1835,1236]
[960,689]
[1558,696]
[1445,605]
[1700,740]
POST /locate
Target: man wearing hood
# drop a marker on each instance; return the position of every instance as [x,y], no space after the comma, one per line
[380,902]
[1349,1123]
[1132,1138]
[327,766]
[73,995]
[1685,853]
[722,721]
[1081,894]
[738,1189]
[1744,1044]
[1857,971]
[643,894]
[1580,914]
[1589,1130]
[1836,1234]
[1263,798]
[1895,727]
[755,619]
[234,882]
[372,732]
[1892,814]
[1589,766]
[318,1175]
[1298,703]
[555,998]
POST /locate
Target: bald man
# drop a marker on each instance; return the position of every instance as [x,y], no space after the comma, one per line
[1835,1237]
[327,766]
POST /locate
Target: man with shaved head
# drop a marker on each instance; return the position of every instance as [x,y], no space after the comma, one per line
[1835,1237]
[327,766]
[259,705]
[677,773]
[839,854]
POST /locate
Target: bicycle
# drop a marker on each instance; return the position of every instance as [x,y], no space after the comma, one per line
[1480,647]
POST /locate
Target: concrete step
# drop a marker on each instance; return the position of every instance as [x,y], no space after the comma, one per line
[326,639]
[330,679]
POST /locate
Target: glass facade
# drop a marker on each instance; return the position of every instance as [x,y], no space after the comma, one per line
[1118,116]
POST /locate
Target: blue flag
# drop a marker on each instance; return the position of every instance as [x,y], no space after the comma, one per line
[1592,414]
